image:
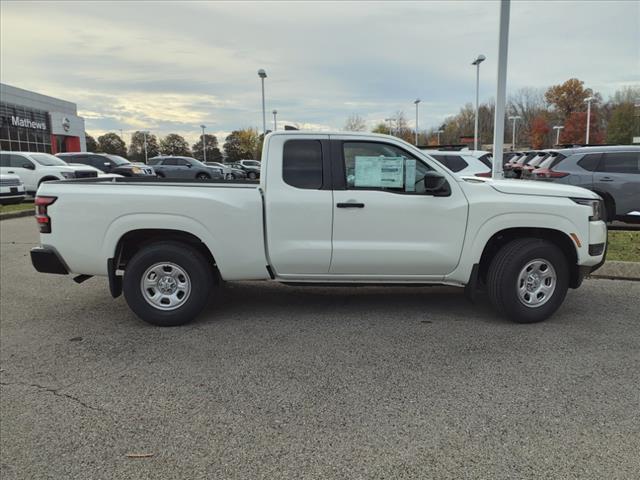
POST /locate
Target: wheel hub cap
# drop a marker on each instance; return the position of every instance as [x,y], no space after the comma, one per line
[536,283]
[165,286]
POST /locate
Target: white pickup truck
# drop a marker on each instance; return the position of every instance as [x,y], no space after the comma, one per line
[343,208]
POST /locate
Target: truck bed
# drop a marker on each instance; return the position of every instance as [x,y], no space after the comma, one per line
[92,215]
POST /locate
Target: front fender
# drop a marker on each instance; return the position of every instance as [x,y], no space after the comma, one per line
[478,238]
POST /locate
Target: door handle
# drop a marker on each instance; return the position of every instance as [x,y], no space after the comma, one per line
[11,171]
[606,179]
[350,205]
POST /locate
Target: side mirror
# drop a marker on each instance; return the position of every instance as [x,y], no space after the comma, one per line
[436,184]
[189,165]
[28,166]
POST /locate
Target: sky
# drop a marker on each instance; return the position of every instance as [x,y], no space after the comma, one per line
[171,66]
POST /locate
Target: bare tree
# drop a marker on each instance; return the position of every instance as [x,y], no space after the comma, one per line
[355,123]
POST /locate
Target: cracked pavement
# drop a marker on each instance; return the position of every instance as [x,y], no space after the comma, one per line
[279,382]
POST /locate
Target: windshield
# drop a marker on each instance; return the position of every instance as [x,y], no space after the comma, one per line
[118,160]
[47,160]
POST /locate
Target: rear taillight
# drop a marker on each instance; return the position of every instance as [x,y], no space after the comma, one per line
[43,219]
[546,173]
[484,174]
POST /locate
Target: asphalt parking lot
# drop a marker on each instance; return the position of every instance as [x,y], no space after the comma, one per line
[279,382]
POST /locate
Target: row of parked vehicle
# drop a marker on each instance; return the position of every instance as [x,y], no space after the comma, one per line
[613,172]
[23,172]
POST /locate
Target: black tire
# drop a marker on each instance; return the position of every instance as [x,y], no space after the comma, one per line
[609,209]
[503,279]
[196,266]
[252,175]
[203,176]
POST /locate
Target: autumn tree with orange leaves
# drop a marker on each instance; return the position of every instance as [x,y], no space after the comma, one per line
[539,132]
[575,129]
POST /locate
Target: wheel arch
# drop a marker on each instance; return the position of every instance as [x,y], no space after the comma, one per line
[556,237]
[134,240]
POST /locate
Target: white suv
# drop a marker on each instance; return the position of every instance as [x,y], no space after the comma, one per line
[33,168]
[463,162]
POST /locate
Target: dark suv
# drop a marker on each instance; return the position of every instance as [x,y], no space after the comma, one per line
[108,163]
[611,172]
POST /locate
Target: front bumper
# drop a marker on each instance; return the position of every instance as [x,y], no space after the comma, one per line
[47,260]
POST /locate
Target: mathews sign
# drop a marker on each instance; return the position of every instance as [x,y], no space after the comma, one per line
[17,121]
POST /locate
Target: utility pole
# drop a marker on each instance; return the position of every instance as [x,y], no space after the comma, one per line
[477,62]
[588,100]
[262,74]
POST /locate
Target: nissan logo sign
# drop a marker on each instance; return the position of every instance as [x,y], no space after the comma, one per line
[66,124]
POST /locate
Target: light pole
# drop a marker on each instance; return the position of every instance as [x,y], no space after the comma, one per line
[588,100]
[144,134]
[275,122]
[417,101]
[513,141]
[262,74]
[557,128]
[390,120]
[204,145]
[439,132]
[501,91]
[481,58]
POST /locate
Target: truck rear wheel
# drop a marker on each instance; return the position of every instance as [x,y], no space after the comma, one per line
[528,280]
[167,283]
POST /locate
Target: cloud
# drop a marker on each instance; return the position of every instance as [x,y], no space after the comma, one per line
[169,66]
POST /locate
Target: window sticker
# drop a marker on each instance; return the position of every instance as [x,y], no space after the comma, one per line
[380,172]
[410,175]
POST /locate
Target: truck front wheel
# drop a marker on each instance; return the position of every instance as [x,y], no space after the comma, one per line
[167,283]
[528,280]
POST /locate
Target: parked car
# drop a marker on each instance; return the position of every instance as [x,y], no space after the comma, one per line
[11,189]
[184,167]
[461,163]
[613,172]
[527,170]
[402,218]
[516,168]
[250,167]
[229,172]
[108,163]
[34,168]
[99,173]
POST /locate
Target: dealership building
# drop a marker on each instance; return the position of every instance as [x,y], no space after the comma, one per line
[31,122]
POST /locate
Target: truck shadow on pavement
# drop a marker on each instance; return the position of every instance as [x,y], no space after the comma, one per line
[261,299]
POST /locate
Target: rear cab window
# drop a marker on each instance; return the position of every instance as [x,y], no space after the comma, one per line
[302,164]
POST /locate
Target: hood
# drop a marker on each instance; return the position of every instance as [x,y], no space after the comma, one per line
[532,187]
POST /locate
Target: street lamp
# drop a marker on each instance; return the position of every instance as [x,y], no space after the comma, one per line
[513,141]
[439,132]
[204,148]
[588,101]
[262,74]
[417,101]
[275,122]
[557,128]
[144,134]
[477,62]
[390,120]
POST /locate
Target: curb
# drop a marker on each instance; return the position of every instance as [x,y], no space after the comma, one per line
[616,270]
[22,213]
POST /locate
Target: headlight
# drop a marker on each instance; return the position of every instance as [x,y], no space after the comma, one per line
[68,174]
[136,170]
[597,207]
